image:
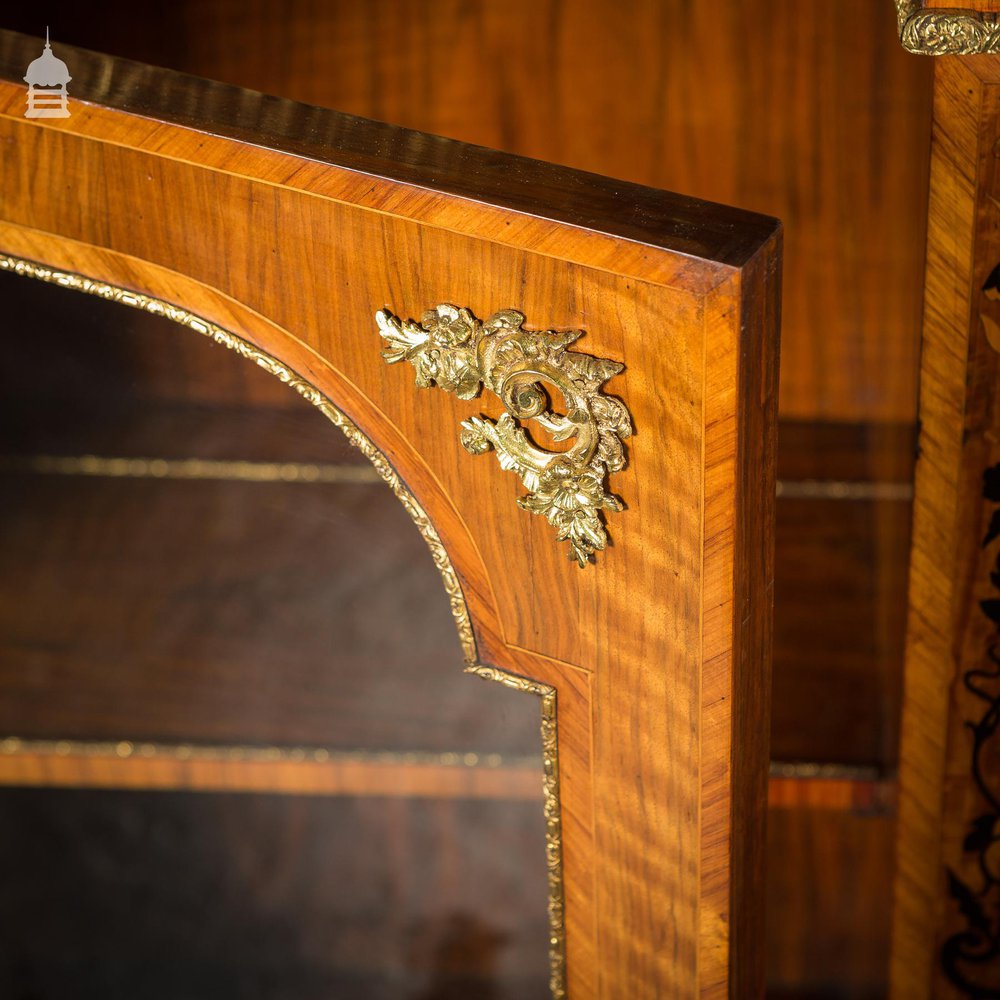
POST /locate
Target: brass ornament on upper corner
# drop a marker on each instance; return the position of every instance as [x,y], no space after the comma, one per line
[945,31]
[452,349]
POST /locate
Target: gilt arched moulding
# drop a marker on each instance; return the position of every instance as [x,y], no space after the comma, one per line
[283,344]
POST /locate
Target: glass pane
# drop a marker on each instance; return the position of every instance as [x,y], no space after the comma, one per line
[209,897]
[203,586]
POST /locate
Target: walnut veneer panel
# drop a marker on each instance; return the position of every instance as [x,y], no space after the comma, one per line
[947,890]
[806,110]
[291,226]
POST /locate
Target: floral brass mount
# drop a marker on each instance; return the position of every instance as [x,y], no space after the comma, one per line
[460,354]
[926,29]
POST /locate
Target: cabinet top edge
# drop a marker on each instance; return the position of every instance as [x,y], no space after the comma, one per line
[677,223]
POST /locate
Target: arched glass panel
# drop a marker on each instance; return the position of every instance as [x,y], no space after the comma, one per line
[240,756]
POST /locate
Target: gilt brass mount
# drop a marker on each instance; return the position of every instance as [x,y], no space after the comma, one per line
[927,29]
[452,349]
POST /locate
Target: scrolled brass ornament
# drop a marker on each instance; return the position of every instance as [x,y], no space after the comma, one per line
[944,31]
[452,349]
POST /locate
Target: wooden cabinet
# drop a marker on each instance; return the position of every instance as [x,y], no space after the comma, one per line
[280,230]
[415,291]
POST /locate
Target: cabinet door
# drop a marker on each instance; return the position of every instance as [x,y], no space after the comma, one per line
[570,383]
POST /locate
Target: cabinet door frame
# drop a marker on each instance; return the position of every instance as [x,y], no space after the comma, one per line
[285,228]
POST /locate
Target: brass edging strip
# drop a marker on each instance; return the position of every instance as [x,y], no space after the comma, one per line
[249,753]
[553,822]
[946,31]
[863,790]
[835,489]
[189,468]
[346,473]
[547,694]
[836,772]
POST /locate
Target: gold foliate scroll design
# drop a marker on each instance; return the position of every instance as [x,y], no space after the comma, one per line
[943,31]
[452,349]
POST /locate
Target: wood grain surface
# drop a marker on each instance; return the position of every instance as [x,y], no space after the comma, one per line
[807,111]
[810,112]
[316,771]
[945,897]
[192,770]
[659,652]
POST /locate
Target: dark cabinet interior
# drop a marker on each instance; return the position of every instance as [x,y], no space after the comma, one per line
[198,577]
